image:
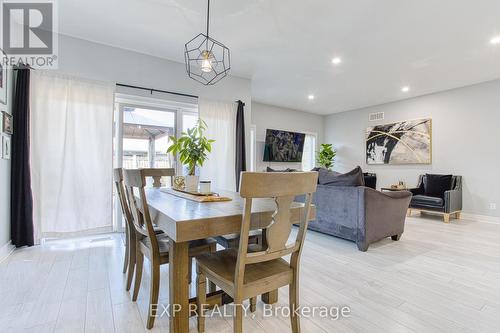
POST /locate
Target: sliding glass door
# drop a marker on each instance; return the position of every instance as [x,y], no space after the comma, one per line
[142,138]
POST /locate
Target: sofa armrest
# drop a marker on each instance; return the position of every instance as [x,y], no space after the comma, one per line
[385,214]
[452,201]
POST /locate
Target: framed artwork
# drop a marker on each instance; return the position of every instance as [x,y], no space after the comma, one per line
[7,126]
[6,147]
[3,79]
[404,142]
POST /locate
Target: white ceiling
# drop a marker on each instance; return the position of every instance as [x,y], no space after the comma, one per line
[286,46]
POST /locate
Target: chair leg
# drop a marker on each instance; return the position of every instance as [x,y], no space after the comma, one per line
[238,315]
[131,263]
[201,298]
[253,304]
[190,270]
[457,215]
[293,298]
[138,274]
[408,213]
[446,218]
[126,258]
[154,293]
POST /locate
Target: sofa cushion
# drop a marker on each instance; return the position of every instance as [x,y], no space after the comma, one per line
[426,201]
[436,185]
[332,178]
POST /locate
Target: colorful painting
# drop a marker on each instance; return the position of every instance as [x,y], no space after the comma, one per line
[405,142]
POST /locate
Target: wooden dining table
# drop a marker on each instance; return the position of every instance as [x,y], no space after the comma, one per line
[184,220]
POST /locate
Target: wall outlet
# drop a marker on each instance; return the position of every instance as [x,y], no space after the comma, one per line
[493,206]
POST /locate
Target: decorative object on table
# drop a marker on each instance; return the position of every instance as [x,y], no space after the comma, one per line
[192,148]
[7,126]
[399,186]
[205,186]
[326,156]
[283,146]
[438,194]
[179,182]
[3,78]
[6,147]
[405,142]
[207,60]
[196,196]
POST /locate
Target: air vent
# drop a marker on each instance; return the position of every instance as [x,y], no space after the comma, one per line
[376,116]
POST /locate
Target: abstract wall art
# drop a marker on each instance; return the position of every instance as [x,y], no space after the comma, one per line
[404,142]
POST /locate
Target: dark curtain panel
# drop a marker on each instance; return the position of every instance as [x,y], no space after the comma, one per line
[241,164]
[21,216]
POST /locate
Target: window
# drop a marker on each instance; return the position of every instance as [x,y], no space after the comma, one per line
[309,154]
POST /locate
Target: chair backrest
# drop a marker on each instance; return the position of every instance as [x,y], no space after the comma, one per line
[456,182]
[120,191]
[135,180]
[283,187]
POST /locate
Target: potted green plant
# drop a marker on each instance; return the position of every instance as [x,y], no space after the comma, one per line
[326,156]
[192,148]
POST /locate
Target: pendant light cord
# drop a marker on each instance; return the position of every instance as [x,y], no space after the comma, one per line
[208,15]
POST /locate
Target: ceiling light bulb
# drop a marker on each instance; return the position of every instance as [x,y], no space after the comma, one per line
[336,61]
[495,40]
[206,63]
[405,89]
[310,97]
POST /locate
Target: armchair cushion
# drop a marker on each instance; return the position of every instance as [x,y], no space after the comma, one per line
[426,201]
[436,185]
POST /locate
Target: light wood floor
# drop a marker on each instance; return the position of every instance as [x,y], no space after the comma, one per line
[438,278]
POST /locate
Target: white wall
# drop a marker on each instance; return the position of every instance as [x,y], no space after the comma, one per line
[5,177]
[101,62]
[466,141]
[272,117]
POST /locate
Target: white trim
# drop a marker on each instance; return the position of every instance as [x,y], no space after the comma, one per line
[6,250]
[481,218]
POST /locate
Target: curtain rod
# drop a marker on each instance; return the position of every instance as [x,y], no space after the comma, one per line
[151,90]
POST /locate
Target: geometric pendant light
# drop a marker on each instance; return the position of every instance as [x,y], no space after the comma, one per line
[207,60]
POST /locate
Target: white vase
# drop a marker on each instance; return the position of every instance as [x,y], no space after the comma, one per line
[192,183]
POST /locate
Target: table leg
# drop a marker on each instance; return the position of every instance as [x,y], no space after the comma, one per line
[179,287]
[272,296]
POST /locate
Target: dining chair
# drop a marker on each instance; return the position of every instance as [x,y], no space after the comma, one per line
[150,244]
[130,236]
[249,271]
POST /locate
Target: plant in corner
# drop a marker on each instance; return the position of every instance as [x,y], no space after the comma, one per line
[192,147]
[326,156]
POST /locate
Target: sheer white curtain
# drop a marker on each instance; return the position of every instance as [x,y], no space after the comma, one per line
[71,154]
[221,122]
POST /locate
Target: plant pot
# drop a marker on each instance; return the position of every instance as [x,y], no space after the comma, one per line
[192,183]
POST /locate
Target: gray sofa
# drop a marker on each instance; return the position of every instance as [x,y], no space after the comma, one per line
[359,213]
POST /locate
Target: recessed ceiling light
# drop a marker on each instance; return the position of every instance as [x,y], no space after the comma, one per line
[310,97]
[336,61]
[405,89]
[495,40]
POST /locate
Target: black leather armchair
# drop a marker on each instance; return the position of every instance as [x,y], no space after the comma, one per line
[450,203]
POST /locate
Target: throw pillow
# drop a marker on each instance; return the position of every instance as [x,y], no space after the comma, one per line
[436,185]
[332,178]
[274,170]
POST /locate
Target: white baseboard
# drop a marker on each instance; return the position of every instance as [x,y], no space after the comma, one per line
[481,218]
[6,250]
